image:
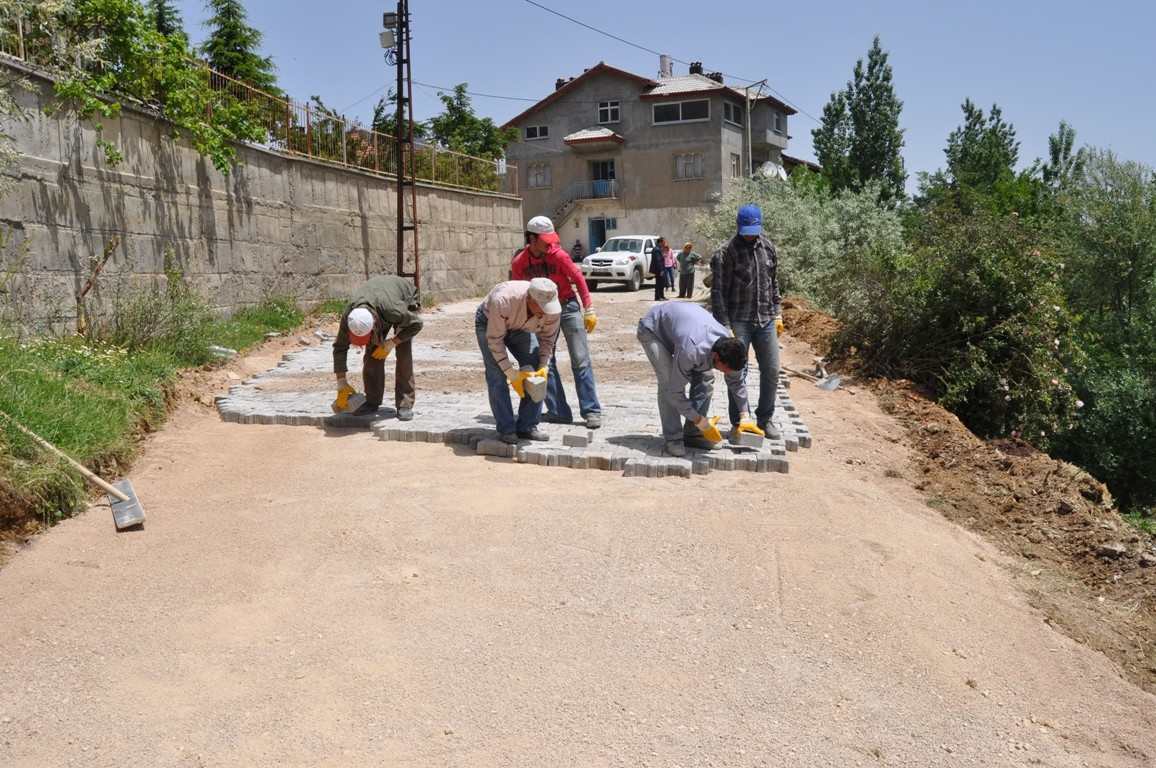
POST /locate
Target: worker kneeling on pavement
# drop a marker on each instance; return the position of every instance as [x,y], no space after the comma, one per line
[380,305]
[523,318]
[685,344]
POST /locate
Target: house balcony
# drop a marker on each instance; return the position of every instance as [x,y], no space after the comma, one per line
[766,138]
[578,191]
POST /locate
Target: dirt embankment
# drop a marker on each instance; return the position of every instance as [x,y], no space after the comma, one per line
[1088,569]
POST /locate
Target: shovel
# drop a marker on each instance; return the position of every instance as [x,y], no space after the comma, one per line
[126,508]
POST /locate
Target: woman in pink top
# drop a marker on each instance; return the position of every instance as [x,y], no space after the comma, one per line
[669,262]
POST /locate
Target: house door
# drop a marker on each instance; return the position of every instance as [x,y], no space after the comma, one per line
[602,178]
[597,233]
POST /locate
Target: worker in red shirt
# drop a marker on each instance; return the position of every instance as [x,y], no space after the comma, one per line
[544,256]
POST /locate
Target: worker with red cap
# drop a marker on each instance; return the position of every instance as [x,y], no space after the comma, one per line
[544,256]
[383,304]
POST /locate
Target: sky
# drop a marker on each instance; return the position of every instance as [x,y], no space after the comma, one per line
[1042,62]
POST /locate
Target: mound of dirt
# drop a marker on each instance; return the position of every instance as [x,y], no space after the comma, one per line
[1055,515]
[804,322]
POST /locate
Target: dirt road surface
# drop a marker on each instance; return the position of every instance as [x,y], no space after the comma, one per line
[304,598]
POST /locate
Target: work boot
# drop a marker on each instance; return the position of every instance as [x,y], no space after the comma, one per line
[593,420]
[770,431]
[674,448]
[699,442]
[509,438]
[535,434]
[366,409]
[405,414]
[553,418]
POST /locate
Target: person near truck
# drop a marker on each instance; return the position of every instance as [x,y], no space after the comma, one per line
[745,297]
[685,346]
[543,256]
[669,264]
[521,318]
[382,304]
[658,268]
[687,259]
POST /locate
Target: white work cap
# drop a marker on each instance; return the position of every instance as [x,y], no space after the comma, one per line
[360,322]
[545,293]
[544,229]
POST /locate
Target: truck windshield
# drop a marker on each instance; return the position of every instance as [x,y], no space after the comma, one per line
[624,244]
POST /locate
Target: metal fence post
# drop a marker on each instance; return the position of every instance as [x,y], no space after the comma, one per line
[308,133]
[433,173]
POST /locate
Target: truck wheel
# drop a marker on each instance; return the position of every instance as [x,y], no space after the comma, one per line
[635,280]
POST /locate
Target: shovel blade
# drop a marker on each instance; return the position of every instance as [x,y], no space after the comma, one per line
[126,514]
[830,384]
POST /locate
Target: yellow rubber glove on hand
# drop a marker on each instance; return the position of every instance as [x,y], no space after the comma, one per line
[590,319]
[517,381]
[542,373]
[382,350]
[344,392]
[751,427]
[710,430]
[779,324]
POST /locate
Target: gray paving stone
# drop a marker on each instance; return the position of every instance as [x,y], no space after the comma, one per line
[575,441]
[495,448]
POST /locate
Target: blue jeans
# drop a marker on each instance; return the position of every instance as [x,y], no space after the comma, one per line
[766,342]
[669,272]
[574,330]
[524,346]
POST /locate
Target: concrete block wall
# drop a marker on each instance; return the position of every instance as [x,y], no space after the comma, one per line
[275,225]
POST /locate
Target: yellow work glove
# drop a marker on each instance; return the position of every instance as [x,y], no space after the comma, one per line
[344,392]
[541,373]
[590,319]
[709,429]
[382,350]
[779,324]
[749,426]
[517,381]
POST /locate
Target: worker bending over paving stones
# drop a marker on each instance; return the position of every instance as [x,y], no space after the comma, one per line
[382,304]
[522,317]
[686,345]
[744,295]
[543,256]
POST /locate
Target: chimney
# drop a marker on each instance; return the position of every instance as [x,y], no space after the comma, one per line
[665,66]
[716,76]
[561,81]
[696,67]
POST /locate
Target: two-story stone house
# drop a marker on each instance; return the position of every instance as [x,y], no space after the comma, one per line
[610,152]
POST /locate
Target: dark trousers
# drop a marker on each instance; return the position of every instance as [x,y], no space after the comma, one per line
[660,286]
[373,374]
[685,285]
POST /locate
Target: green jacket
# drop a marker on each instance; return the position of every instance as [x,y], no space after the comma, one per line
[686,261]
[394,304]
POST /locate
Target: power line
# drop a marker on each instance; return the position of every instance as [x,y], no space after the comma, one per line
[613,36]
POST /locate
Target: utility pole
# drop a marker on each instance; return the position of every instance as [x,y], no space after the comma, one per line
[397,26]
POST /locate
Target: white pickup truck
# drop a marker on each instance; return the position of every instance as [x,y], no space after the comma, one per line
[624,259]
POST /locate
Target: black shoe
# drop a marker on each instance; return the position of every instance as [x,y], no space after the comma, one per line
[699,442]
[593,420]
[405,414]
[509,438]
[553,418]
[537,435]
[366,409]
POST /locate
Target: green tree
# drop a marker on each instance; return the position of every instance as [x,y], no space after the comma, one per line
[859,139]
[233,46]
[166,18]
[459,129]
[983,151]
[385,117]
[1065,162]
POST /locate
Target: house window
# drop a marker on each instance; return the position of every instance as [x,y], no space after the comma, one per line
[682,111]
[608,112]
[611,223]
[736,166]
[537,132]
[539,175]
[602,170]
[780,123]
[732,113]
[688,166]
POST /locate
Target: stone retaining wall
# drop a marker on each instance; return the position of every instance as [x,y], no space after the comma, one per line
[277,224]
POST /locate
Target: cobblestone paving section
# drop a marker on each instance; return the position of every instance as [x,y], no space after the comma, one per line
[629,441]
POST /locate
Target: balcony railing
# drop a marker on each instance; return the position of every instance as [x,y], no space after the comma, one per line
[592,190]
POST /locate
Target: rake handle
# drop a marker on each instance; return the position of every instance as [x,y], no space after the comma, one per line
[88,474]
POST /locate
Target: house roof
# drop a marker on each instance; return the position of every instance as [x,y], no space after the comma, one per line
[601,68]
[589,135]
[667,87]
[790,162]
[700,85]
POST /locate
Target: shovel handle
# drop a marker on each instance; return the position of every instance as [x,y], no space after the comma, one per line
[88,474]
